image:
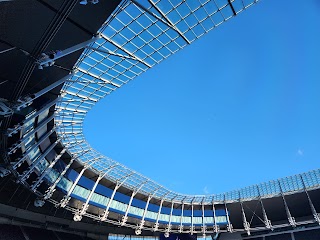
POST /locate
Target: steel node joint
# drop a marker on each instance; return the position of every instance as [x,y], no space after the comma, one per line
[48,59]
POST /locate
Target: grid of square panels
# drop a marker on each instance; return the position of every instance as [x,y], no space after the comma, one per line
[140,34]
[195,18]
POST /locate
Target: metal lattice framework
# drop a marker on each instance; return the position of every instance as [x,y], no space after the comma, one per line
[138,35]
[46,157]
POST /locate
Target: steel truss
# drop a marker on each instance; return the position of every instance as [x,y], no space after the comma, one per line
[107,64]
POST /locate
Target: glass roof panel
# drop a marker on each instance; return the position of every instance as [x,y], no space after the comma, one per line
[139,35]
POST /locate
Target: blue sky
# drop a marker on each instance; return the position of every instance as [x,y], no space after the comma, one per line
[238,107]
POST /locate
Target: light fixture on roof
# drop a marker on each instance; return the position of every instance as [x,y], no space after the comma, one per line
[77,217]
[138,231]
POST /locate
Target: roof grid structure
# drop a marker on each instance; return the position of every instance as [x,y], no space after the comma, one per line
[137,36]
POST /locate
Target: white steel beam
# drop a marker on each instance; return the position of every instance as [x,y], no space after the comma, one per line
[204,228]
[60,54]
[83,210]
[125,217]
[313,209]
[52,188]
[98,77]
[215,226]
[156,225]
[118,185]
[192,228]
[138,230]
[126,51]
[168,229]
[181,217]
[29,134]
[25,155]
[267,222]
[229,225]
[65,200]
[44,173]
[291,219]
[27,100]
[18,127]
[246,224]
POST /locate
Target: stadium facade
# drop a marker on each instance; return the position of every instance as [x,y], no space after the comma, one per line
[58,59]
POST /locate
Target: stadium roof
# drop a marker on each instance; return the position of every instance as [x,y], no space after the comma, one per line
[137,36]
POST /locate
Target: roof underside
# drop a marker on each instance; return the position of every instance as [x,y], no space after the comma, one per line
[138,35]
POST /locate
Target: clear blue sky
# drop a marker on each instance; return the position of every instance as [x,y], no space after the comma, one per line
[238,107]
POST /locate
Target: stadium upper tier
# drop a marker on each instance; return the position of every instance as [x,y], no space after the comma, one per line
[137,36]
[50,155]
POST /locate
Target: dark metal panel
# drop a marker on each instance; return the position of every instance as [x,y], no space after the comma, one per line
[275,209]
[299,205]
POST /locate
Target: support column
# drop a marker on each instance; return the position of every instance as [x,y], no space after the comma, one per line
[48,194]
[156,225]
[192,229]
[125,217]
[78,216]
[204,228]
[291,219]
[65,200]
[313,209]
[52,188]
[181,225]
[229,225]
[246,224]
[267,222]
[140,226]
[215,226]
[118,185]
[168,228]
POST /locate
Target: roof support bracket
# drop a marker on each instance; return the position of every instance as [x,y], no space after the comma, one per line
[48,59]
[313,209]
[291,219]
[229,225]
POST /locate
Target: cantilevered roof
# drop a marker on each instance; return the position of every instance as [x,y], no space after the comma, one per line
[137,36]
